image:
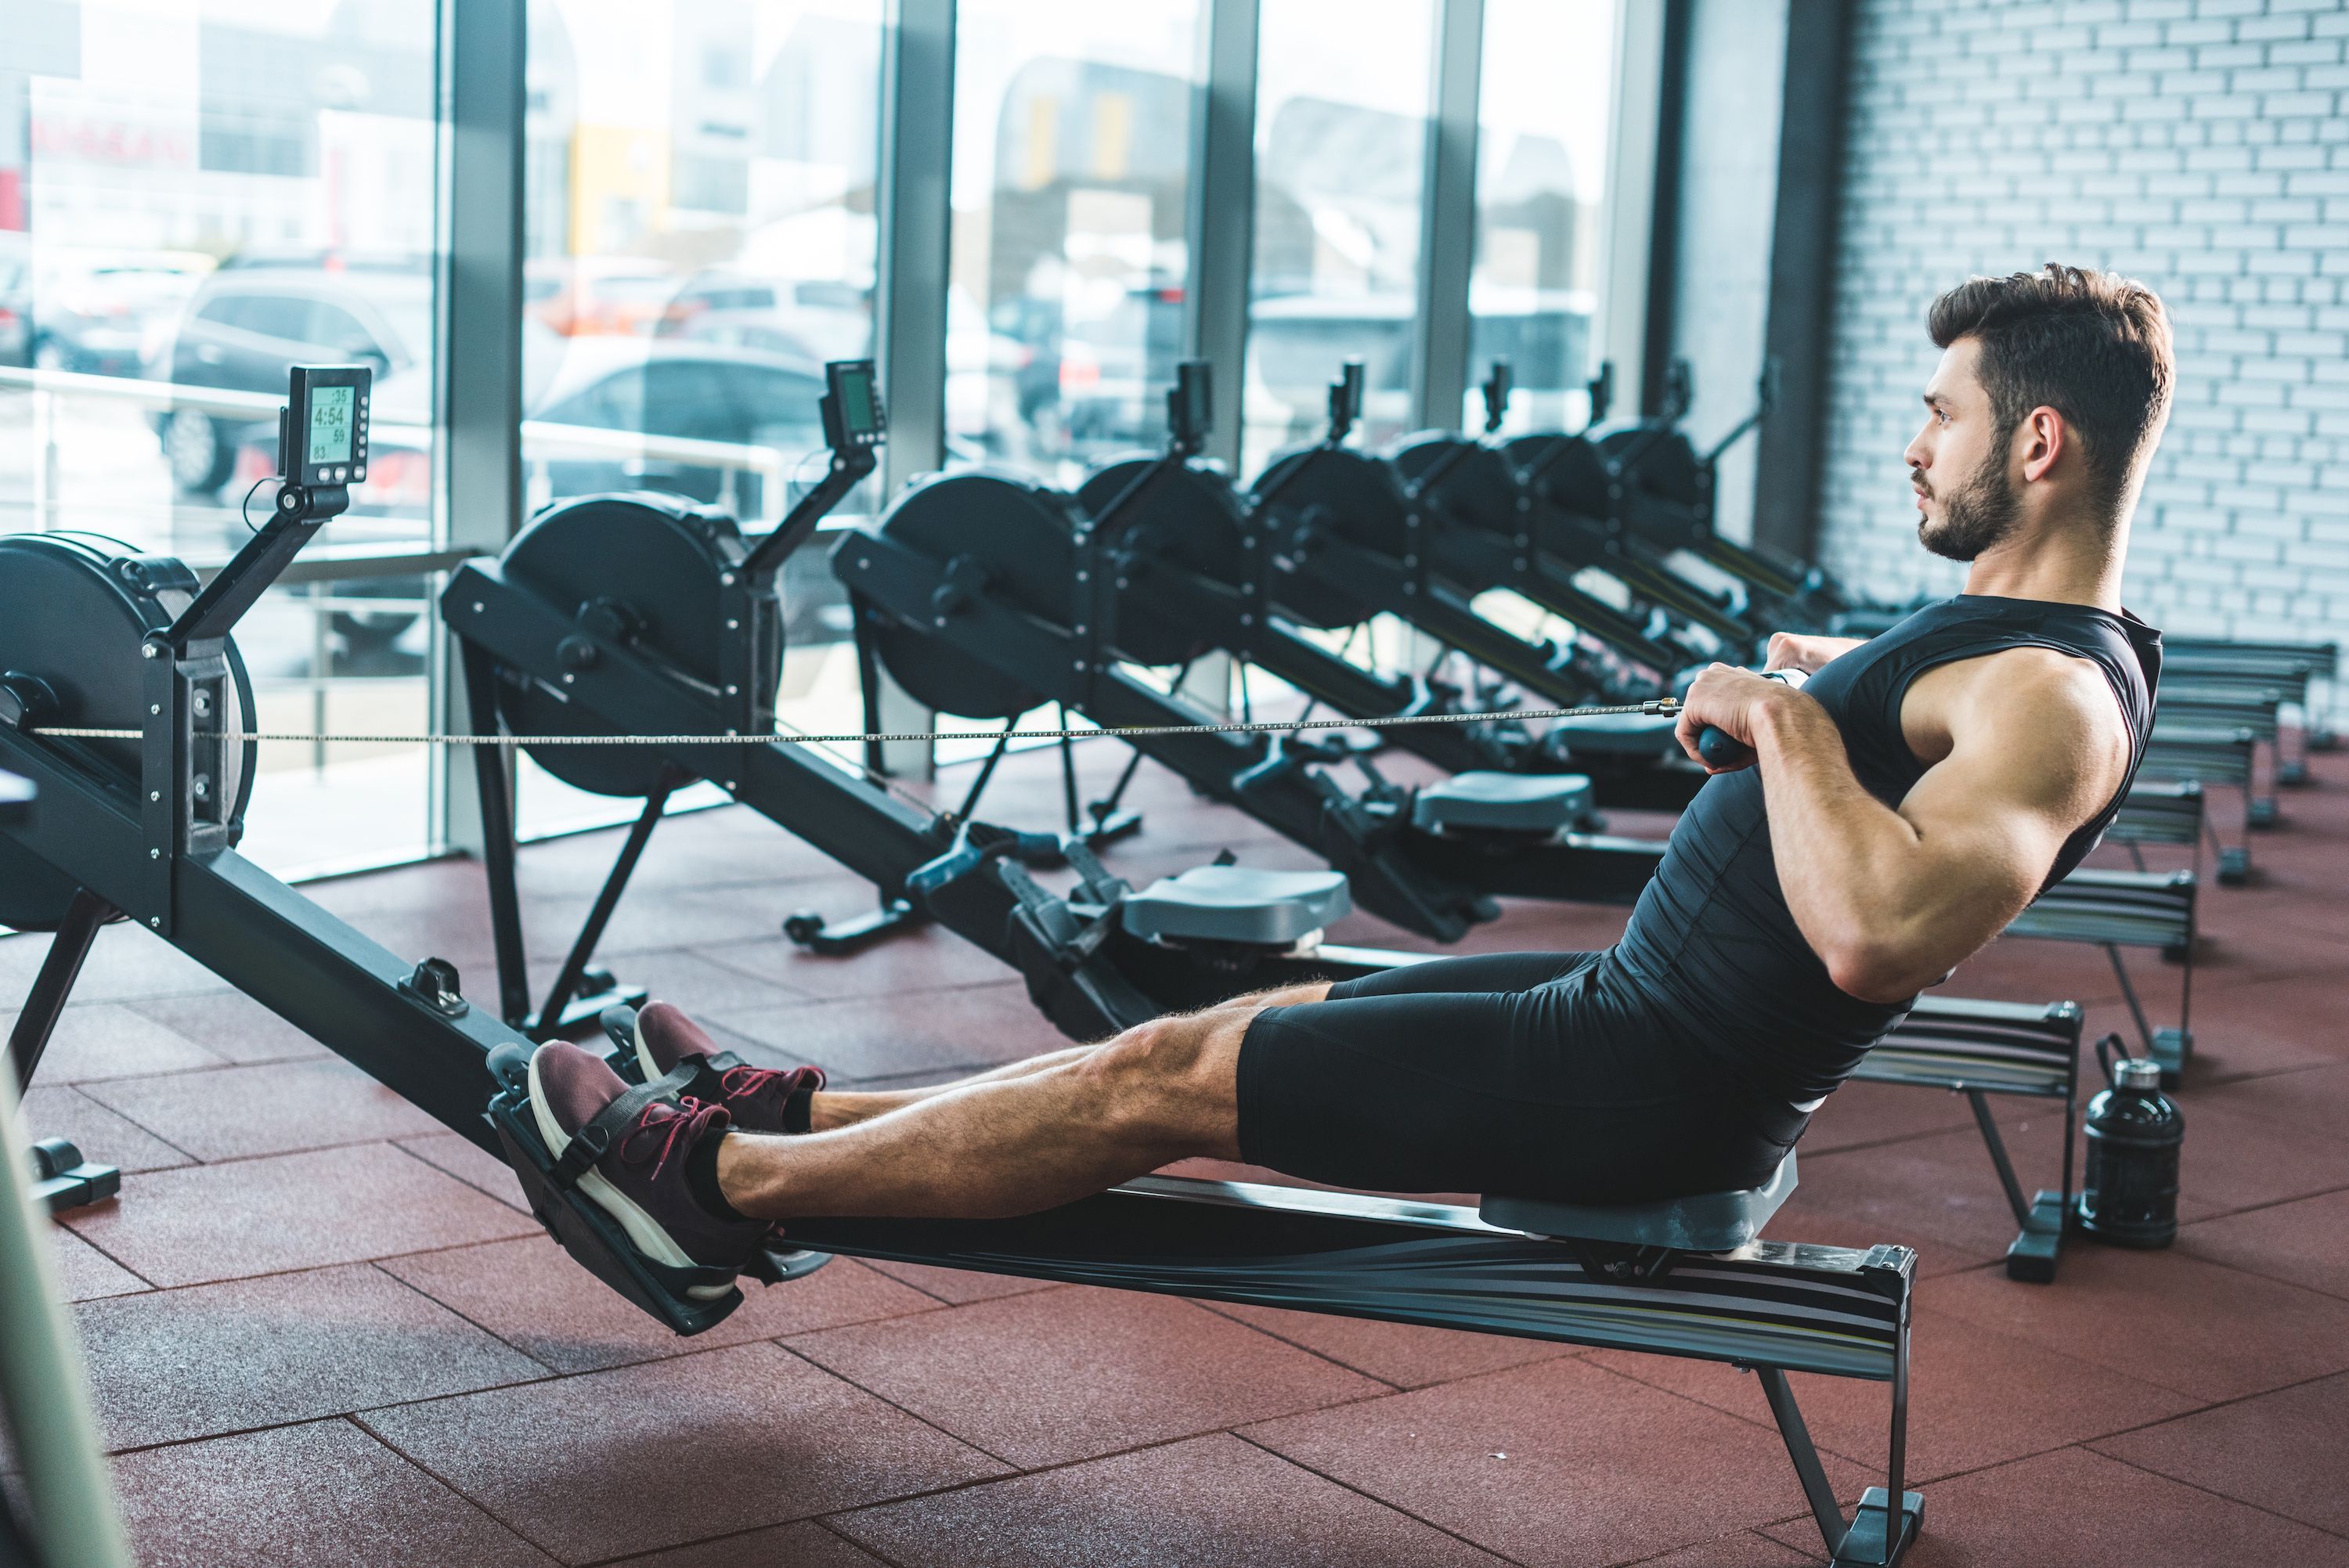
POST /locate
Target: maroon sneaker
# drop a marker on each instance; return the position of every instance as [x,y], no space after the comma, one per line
[640,1180]
[759,1100]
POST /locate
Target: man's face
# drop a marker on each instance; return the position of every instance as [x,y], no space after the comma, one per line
[1957,464]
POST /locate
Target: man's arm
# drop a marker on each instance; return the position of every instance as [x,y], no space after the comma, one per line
[2030,745]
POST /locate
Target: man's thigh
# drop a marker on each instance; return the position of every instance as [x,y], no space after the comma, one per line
[1474,974]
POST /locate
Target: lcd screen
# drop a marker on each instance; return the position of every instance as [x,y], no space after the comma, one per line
[330,423]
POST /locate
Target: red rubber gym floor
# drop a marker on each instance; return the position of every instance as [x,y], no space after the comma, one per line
[321,1332]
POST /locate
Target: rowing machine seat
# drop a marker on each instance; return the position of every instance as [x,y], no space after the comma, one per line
[1503,803]
[1701,1223]
[1617,735]
[1238,903]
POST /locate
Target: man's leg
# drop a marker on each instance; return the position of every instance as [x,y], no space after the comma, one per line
[832,1110]
[1002,1145]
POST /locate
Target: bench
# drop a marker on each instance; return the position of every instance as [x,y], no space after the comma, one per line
[1977,1048]
[2260,710]
[2118,909]
[2209,756]
[2296,666]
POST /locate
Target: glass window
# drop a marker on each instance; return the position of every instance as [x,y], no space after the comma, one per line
[202,195]
[1342,100]
[699,238]
[1541,182]
[1072,174]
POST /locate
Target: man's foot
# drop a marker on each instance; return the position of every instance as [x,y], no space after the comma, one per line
[759,1100]
[641,1179]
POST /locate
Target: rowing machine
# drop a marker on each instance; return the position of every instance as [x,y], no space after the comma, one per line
[645,615]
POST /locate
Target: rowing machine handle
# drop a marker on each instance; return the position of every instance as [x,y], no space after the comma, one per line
[1714,745]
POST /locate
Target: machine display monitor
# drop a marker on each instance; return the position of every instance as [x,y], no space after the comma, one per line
[856,397]
[330,423]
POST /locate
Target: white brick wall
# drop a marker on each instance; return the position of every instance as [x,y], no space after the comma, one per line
[2201,146]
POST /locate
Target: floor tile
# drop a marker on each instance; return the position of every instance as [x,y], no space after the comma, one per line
[236,1113]
[959,1286]
[1976,1399]
[2306,1243]
[699,985]
[2315,1100]
[1747,1549]
[322,1496]
[2287,1451]
[2250,1028]
[1208,1502]
[584,1466]
[55,1110]
[927,958]
[177,1364]
[803,1545]
[126,964]
[108,1040]
[2084,1511]
[232,1024]
[885,1037]
[1064,1375]
[2163,1317]
[2234,1159]
[529,1293]
[1556,1464]
[1405,1355]
[291,1212]
[469,1162]
[85,1273]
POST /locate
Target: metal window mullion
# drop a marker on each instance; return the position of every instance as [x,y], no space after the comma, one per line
[1447,246]
[478,471]
[914,200]
[1222,220]
[1220,228]
[1631,219]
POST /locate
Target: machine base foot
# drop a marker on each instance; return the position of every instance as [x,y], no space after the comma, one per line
[812,931]
[2031,1256]
[1867,1546]
[2264,812]
[2171,1048]
[63,1180]
[2234,867]
[1109,830]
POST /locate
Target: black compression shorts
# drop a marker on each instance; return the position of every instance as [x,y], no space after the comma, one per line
[1535,1075]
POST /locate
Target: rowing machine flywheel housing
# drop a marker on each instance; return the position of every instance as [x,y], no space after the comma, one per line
[1003,535]
[1188,516]
[1476,486]
[75,609]
[1354,496]
[642,571]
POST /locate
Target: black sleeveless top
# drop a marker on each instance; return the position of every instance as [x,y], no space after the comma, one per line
[1712,941]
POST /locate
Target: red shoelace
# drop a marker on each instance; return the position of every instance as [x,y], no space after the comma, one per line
[739,1083]
[684,1122]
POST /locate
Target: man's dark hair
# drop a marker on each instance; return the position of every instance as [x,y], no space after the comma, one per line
[2092,346]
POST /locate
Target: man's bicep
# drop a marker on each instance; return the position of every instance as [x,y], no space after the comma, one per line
[1995,812]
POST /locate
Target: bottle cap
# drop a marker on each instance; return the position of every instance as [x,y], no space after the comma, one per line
[2138,1072]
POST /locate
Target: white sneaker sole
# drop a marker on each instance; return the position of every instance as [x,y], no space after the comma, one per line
[641,1228]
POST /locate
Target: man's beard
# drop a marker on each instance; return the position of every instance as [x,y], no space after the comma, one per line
[1975,516]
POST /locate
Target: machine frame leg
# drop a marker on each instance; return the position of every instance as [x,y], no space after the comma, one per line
[565,1009]
[61,1177]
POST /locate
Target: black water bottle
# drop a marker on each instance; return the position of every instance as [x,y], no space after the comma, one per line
[2130,1195]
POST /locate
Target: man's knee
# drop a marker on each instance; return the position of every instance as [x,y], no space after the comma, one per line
[1174,1078]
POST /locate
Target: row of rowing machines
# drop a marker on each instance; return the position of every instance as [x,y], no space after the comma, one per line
[95,635]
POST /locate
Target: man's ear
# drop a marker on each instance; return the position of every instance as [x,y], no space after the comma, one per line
[2040,439]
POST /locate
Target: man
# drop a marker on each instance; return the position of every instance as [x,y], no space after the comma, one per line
[1904,807]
